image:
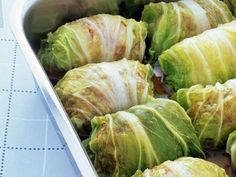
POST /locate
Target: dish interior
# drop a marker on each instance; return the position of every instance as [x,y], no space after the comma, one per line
[47,15]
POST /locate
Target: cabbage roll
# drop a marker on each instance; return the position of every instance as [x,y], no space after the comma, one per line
[204,59]
[99,89]
[231,148]
[170,23]
[92,39]
[212,110]
[184,167]
[142,137]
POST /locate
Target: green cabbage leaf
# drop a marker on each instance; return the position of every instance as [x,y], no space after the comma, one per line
[170,23]
[212,110]
[99,89]
[142,137]
[231,148]
[184,167]
[92,39]
[204,59]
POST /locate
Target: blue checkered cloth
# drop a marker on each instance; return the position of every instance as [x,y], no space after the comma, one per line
[29,144]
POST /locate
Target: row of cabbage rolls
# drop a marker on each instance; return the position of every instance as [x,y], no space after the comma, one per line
[108,93]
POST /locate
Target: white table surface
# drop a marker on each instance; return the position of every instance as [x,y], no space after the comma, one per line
[29,144]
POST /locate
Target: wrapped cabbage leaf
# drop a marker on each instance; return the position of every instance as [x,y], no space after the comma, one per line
[142,137]
[170,23]
[92,40]
[204,59]
[231,148]
[98,89]
[184,167]
[212,110]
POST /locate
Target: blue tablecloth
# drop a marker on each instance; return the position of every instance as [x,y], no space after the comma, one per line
[29,144]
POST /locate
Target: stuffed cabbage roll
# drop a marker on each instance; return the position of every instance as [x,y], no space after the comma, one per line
[212,110]
[231,148]
[170,23]
[204,59]
[98,89]
[184,167]
[92,40]
[142,137]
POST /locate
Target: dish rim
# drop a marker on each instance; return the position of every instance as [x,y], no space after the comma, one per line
[18,12]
